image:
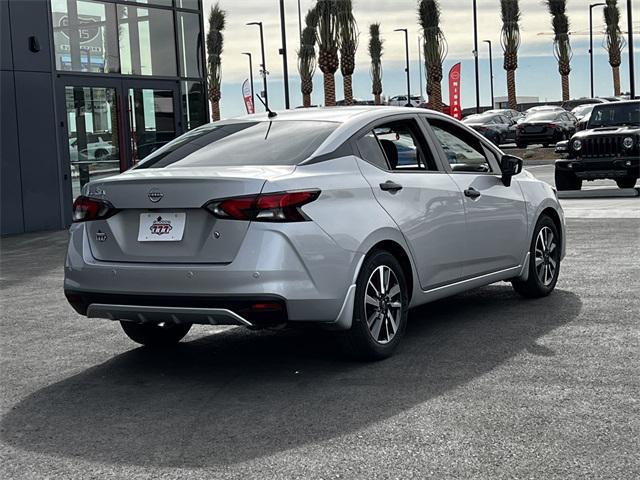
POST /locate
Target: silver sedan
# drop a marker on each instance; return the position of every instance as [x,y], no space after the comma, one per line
[342,217]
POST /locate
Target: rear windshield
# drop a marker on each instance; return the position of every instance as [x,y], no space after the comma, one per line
[542,116]
[248,143]
[481,118]
[615,114]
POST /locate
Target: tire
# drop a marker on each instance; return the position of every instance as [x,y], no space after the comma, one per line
[374,340]
[154,335]
[567,181]
[544,261]
[100,154]
[521,145]
[626,182]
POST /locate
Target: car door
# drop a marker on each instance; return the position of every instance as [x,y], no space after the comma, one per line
[412,185]
[496,215]
[509,128]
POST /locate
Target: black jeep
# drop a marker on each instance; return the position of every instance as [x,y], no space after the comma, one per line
[608,147]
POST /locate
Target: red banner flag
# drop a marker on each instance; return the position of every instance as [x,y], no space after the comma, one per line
[455,110]
[248,97]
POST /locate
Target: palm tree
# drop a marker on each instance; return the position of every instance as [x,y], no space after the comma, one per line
[614,41]
[215,41]
[510,43]
[348,46]
[307,56]
[562,45]
[328,44]
[435,50]
[375,52]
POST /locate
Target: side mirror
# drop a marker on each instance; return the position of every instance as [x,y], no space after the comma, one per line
[510,166]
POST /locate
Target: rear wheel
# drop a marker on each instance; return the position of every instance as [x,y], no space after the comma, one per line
[380,311]
[521,144]
[155,334]
[626,182]
[567,180]
[544,261]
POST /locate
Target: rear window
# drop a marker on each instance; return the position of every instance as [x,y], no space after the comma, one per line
[248,143]
[543,116]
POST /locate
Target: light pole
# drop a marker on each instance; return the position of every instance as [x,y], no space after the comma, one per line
[632,73]
[406,49]
[283,52]
[253,100]
[591,7]
[475,53]
[493,98]
[263,66]
[420,65]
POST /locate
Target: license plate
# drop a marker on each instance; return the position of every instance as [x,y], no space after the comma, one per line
[161,227]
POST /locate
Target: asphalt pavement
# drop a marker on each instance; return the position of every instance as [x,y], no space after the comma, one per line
[486,385]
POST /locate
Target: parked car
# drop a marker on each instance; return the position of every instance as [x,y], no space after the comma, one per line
[545,128]
[497,128]
[571,104]
[583,111]
[609,147]
[97,148]
[309,217]
[401,101]
[514,115]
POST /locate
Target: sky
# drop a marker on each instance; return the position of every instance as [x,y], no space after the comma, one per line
[537,74]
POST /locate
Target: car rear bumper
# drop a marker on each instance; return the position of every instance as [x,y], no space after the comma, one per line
[598,168]
[297,267]
[546,137]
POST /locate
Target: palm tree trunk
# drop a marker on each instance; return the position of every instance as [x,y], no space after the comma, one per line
[616,80]
[565,88]
[377,100]
[329,90]
[348,90]
[215,110]
[511,89]
[435,96]
[306,100]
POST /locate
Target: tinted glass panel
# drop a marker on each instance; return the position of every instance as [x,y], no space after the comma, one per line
[615,114]
[402,146]
[152,120]
[164,3]
[85,36]
[237,144]
[542,116]
[192,4]
[190,45]
[463,150]
[193,105]
[147,44]
[371,151]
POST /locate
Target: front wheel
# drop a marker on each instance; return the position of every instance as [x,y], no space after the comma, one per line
[567,180]
[154,334]
[544,261]
[380,310]
[626,182]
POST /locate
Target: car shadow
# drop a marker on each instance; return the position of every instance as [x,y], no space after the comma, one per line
[237,395]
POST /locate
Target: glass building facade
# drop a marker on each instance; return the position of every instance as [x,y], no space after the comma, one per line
[124,77]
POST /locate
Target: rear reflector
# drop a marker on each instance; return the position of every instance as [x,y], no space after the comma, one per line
[86,208]
[268,207]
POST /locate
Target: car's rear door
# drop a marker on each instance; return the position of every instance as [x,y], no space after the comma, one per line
[413,187]
[496,216]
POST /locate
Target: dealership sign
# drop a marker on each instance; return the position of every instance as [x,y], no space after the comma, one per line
[455,110]
[91,42]
[248,97]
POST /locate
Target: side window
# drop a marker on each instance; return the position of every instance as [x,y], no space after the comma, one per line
[464,151]
[404,146]
[371,151]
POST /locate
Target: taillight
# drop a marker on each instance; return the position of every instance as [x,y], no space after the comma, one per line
[86,208]
[551,125]
[267,207]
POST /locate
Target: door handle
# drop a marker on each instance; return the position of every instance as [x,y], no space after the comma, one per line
[390,186]
[472,193]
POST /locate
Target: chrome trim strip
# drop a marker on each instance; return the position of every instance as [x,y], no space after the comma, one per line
[214,316]
[461,282]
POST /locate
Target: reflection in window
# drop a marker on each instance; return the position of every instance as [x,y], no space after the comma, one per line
[141,29]
[84,35]
[164,3]
[193,105]
[190,44]
[92,122]
[464,152]
[192,4]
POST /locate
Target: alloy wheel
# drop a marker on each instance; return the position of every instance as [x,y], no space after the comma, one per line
[383,304]
[546,256]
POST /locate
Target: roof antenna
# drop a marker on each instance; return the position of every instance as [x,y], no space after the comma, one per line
[271,114]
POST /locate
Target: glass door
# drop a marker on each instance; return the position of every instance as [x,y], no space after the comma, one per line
[152,117]
[93,115]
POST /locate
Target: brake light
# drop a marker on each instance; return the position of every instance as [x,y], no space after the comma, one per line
[86,209]
[268,207]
